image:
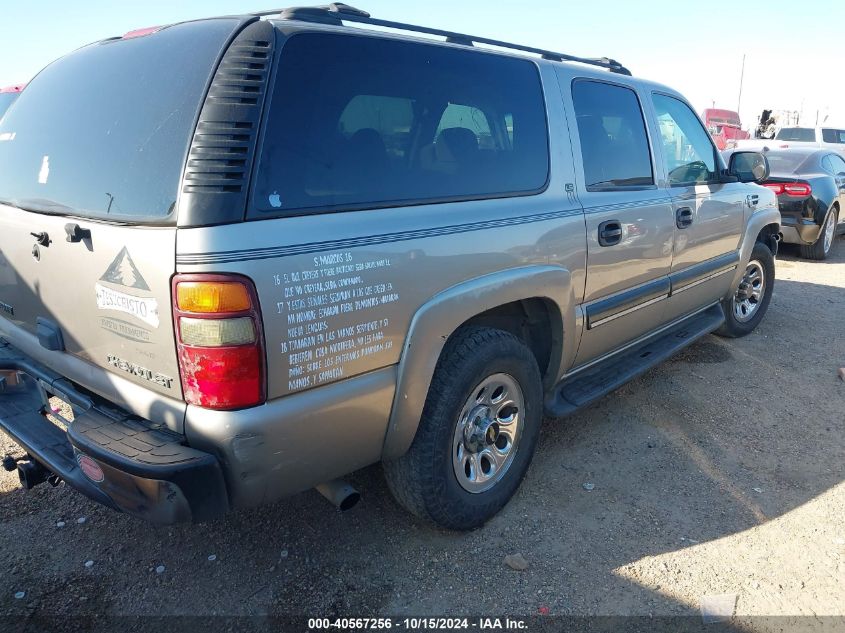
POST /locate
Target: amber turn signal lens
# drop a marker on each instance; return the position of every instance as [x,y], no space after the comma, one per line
[212,296]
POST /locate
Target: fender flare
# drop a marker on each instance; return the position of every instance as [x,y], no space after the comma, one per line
[757,222]
[436,320]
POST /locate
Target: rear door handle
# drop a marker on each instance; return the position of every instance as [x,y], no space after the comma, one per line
[610,233]
[683,217]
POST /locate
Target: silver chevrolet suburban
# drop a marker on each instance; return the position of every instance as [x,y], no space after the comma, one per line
[256,253]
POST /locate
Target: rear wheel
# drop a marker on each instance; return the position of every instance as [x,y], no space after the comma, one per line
[477,432]
[823,244]
[746,307]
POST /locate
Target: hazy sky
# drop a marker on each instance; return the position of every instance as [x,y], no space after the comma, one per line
[795,51]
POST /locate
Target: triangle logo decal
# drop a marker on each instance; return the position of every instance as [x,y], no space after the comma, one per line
[123,272]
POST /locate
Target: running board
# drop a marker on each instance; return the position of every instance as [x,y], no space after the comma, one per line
[589,385]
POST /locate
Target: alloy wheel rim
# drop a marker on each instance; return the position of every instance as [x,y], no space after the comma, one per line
[829,230]
[487,433]
[749,294]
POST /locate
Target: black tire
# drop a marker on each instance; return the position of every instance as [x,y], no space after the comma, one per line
[817,251]
[424,480]
[734,327]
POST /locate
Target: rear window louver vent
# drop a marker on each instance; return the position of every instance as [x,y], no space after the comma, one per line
[220,159]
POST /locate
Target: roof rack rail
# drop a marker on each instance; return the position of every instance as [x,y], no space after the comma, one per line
[338,13]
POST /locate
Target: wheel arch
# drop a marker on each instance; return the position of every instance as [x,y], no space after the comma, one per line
[535,303]
[765,223]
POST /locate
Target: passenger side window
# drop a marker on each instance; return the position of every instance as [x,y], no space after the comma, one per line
[689,152]
[830,135]
[362,122]
[614,145]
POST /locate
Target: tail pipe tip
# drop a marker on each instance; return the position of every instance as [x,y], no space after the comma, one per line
[340,494]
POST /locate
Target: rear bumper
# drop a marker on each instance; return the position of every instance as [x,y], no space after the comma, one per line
[147,470]
[798,230]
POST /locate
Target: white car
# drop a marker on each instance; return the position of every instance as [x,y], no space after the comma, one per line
[806,137]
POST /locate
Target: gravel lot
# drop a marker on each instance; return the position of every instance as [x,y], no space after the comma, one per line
[719,472]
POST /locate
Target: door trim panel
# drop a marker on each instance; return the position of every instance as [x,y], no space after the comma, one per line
[705,271]
[626,302]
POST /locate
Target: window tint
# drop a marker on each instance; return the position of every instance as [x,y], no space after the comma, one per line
[614,145]
[457,115]
[801,134]
[829,135]
[687,148]
[362,121]
[104,131]
[391,117]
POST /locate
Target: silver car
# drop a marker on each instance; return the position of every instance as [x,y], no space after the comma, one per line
[254,254]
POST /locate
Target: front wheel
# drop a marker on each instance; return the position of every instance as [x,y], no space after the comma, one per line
[823,244]
[746,307]
[477,431]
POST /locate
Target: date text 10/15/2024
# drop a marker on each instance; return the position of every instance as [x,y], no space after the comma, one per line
[418,624]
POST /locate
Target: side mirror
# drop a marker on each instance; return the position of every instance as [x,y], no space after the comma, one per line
[749,166]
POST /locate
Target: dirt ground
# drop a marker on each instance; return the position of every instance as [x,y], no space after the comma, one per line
[719,473]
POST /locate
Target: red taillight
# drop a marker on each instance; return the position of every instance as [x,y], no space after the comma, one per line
[796,189]
[219,341]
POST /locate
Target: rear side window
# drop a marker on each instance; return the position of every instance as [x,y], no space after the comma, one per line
[359,122]
[614,145]
[835,164]
[830,135]
[6,99]
[800,134]
[689,153]
[104,131]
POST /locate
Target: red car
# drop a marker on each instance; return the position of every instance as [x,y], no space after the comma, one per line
[724,126]
[7,97]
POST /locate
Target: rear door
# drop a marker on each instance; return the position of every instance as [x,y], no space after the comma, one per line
[628,218]
[91,158]
[708,214]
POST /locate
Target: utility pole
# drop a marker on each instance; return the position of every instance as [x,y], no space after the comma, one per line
[741,77]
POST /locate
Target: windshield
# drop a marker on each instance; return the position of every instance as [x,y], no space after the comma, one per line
[801,134]
[785,162]
[104,131]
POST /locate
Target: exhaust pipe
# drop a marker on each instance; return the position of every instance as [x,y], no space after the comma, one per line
[340,494]
[31,473]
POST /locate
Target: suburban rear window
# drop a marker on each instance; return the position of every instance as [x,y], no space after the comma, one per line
[104,131]
[800,134]
[358,122]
